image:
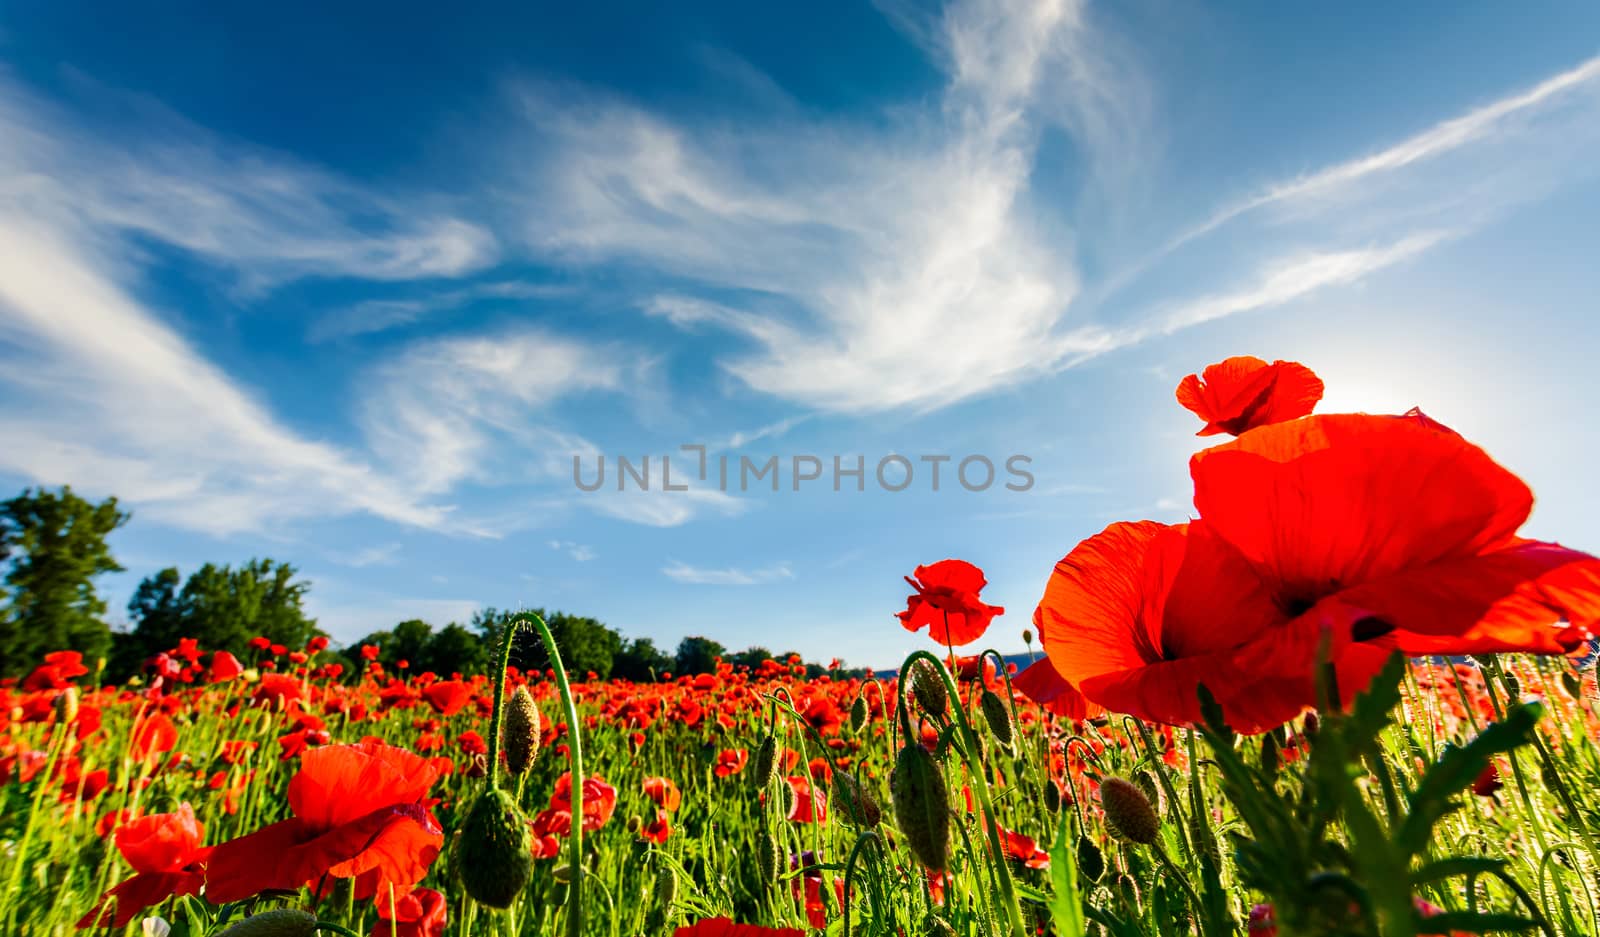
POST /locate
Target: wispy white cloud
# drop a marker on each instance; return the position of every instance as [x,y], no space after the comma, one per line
[383,554]
[729,576]
[581,552]
[380,315]
[908,258]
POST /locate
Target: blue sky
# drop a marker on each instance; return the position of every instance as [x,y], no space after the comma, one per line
[350,288]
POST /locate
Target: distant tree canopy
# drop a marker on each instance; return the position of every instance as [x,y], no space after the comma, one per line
[221,607]
[55,546]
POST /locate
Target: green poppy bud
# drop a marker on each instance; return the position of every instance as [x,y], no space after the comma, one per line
[996,714]
[520,731]
[928,688]
[1091,861]
[922,806]
[494,856]
[281,922]
[1129,813]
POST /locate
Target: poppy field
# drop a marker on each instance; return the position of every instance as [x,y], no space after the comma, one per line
[1347,698]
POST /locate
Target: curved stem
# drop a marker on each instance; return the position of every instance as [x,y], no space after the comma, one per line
[849,874]
[969,744]
[574,750]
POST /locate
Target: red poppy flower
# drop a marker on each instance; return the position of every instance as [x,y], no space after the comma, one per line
[168,861]
[663,792]
[658,830]
[358,813]
[1385,533]
[730,761]
[724,927]
[449,697]
[1042,684]
[947,604]
[808,804]
[58,669]
[1242,393]
[224,666]
[1024,849]
[153,737]
[422,913]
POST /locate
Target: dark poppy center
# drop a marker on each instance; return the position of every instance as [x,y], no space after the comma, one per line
[1370,628]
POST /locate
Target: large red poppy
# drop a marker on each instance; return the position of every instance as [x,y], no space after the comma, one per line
[1383,533]
[946,602]
[1241,393]
[1041,683]
[169,861]
[358,813]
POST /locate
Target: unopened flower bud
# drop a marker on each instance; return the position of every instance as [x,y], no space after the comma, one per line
[858,714]
[765,769]
[666,887]
[520,731]
[922,806]
[66,705]
[768,858]
[938,927]
[1052,796]
[1027,636]
[1152,791]
[928,688]
[494,855]
[1269,753]
[996,714]
[1572,683]
[853,802]
[281,922]
[1091,861]
[1129,813]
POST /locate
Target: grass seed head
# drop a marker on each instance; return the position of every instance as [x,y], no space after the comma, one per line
[494,857]
[922,806]
[1129,812]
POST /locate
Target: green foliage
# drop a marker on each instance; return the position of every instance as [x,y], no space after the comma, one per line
[641,661]
[221,607]
[55,543]
[587,645]
[698,655]
[452,649]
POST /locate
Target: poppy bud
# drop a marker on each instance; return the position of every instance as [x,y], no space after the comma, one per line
[1513,687]
[520,731]
[494,857]
[928,688]
[1269,753]
[1572,683]
[858,714]
[922,806]
[1129,813]
[766,763]
[854,802]
[1027,636]
[281,922]
[995,713]
[666,887]
[1152,790]
[66,705]
[767,857]
[938,927]
[1309,729]
[1091,861]
[1129,886]
[1052,796]
[635,824]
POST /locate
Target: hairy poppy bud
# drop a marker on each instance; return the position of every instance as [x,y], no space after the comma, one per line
[1128,811]
[1027,636]
[858,714]
[635,824]
[938,927]
[494,857]
[1269,753]
[853,802]
[996,714]
[922,806]
[928,688]
[1052,796]
[1572,683]
[281,922]
[666,887]
[520,731]
[1091,861]
[66,705]
[766,763]
[1152,790]
[767,857]
[1129,886]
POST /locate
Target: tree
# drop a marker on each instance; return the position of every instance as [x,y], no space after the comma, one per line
[640,660]
[455,649]
[587,646]
[698,655]
[751,657]
[221,607]
[56,545]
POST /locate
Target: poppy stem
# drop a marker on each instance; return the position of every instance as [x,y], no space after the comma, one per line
[574,750]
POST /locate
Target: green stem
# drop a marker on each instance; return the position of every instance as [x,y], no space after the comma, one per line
[976,771]
[575,753]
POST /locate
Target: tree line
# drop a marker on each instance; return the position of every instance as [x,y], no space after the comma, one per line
[53,548]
